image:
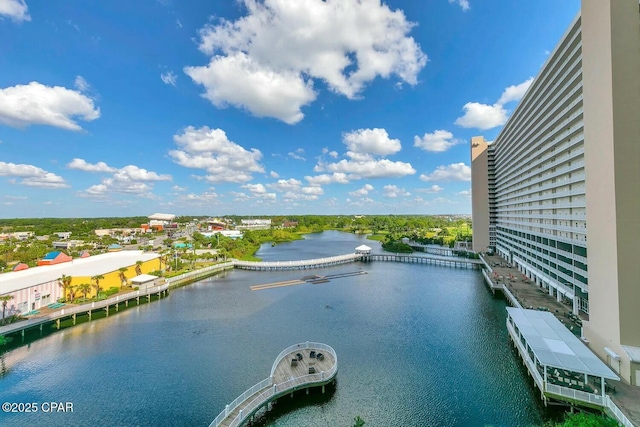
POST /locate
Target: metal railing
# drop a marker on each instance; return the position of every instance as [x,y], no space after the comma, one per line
[199,272]
[622,418]
[583,396]
[298,263]
[595,399]
[81,309]
[315,345]
[525,356]
[267,389]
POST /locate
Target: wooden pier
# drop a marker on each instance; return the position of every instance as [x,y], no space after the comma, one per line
[298,367]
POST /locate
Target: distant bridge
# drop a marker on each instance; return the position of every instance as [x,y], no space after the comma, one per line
[296,265]
[455,262]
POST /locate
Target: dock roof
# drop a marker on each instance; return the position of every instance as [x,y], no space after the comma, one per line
[555,345]
[79,267]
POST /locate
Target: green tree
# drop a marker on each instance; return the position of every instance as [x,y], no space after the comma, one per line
[584,419]
[358,422]
[5,300]
[84,288]
[64,282]
[123,277]
[96,283]
[72,293]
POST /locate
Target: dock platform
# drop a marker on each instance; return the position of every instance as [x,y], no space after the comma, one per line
[297,367]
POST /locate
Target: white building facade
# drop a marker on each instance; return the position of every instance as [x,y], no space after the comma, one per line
[566,166]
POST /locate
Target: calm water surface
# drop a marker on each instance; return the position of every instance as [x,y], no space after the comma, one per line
[417,346]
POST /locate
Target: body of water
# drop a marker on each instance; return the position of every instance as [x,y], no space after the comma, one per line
[418,345]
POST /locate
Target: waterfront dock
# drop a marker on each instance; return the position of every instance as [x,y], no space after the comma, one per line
[296,265]
[453,262]
[298,367]
[562,367]
[73,312]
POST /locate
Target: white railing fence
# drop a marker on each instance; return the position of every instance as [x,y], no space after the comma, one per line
[81,309]
[525,356]
[200,271]
[267,389]
[297,263]
[622,418]
[305,345]
[583,396]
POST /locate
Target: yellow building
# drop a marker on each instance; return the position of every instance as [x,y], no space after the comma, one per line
[38,287]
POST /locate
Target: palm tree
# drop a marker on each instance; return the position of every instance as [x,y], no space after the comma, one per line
[72,293]
[64,282]
[138,267]
[84,288]
[5,299]
[123,277]
[96,285]
[163,259]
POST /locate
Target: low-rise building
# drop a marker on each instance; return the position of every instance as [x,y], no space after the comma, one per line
[254,224]
[37,287]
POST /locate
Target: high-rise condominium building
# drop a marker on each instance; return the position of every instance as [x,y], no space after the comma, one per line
[560,185]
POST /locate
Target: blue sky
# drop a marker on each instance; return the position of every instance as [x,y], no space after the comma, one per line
[258,107]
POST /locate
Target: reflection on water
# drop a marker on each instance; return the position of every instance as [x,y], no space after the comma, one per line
[417,345]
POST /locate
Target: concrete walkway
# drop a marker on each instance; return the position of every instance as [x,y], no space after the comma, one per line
[529,294]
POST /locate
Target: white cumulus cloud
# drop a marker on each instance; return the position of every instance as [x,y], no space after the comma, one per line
[324,179]
[362,191]
[437,142]
[484,116]
[464,4]
[452,172]
[129,179]
[286,184]
[298,154]
[266,61]
[37,104]
[394,191]
[371,168]
[239,81]
[371,141]
[17,10]
[365,149]
[81,164]
[211,150]
[515,92]
[32,176]
[259,191]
